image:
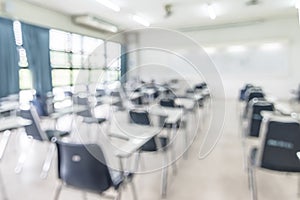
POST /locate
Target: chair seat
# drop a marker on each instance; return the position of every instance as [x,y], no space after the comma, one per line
[92,120]
[56,133]
[151,145]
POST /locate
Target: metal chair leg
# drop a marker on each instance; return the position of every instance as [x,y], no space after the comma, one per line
[4,142]
[84,196]
[48,161]
[2,188]
[252,180]
[173,150]
[299,186]
[58,191]
[164,176]
[23,157]
[119,194]
[133,190]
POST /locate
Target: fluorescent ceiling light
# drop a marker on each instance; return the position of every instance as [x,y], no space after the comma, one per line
[211,11]
[96,23]
[271,46]
[140,20]
[210,50]
[109,4]
[237,49]
[297,4]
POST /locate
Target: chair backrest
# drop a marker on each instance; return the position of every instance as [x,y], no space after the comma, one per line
[167,102]
[243,92]
[34,129]
[281,142]
[83,166]
[255,92]
[140,117]
[255,119]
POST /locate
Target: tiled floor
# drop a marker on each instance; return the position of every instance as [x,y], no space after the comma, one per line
[221,175]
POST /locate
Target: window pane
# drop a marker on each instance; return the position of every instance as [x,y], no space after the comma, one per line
[59,59]
[25,79]
[59,40]
[97,76]
[61,77]
[77,60]
[112,75]
[80,77]
[76,43]
[113,55]
[90,44]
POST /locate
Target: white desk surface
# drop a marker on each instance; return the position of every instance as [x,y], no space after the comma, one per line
[187,103]
[8,106]
[135,136]
[284,109]
[13,122]
[135,95]
[69,110]
[173,114]
[108,100]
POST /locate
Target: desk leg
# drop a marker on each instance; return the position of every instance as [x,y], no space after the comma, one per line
[185,148]
[173,154]
[4,142]
[165,175]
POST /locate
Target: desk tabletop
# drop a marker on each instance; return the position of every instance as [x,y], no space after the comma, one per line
[173,114]
[135,136]
[69,110]
[13,122]
[187,103]
[8,106]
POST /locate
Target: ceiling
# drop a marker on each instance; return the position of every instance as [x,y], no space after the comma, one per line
[186,13]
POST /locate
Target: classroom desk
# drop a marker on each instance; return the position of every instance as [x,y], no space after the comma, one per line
[68,110]
[187,103]
[111,100]
[136,136]
[8,106]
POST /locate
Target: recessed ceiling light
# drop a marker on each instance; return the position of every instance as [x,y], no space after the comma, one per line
[140,20]
[211,11]
[238,48]
[109,4]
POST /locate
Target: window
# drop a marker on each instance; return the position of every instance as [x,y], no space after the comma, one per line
[77,59]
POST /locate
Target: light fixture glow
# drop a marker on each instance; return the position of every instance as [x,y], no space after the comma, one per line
[210,50]
[271,46]
[211,11]
[236,49]
[297,4]
[140,20]
[109,4]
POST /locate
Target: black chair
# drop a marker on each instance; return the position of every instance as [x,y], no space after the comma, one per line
[141,117]
[255,118]
[35,132]
[83,166]
[279,146]
[251,94]
[168,102]
[243,92]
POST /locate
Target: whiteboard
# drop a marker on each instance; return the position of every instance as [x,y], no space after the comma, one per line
[257,60]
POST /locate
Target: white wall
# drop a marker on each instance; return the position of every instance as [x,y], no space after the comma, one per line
[276,84]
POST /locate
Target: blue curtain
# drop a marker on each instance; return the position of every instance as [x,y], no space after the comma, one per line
[9,57]
[36,44]
[123,64]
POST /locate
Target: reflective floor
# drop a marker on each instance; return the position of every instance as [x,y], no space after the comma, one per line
[221,175]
